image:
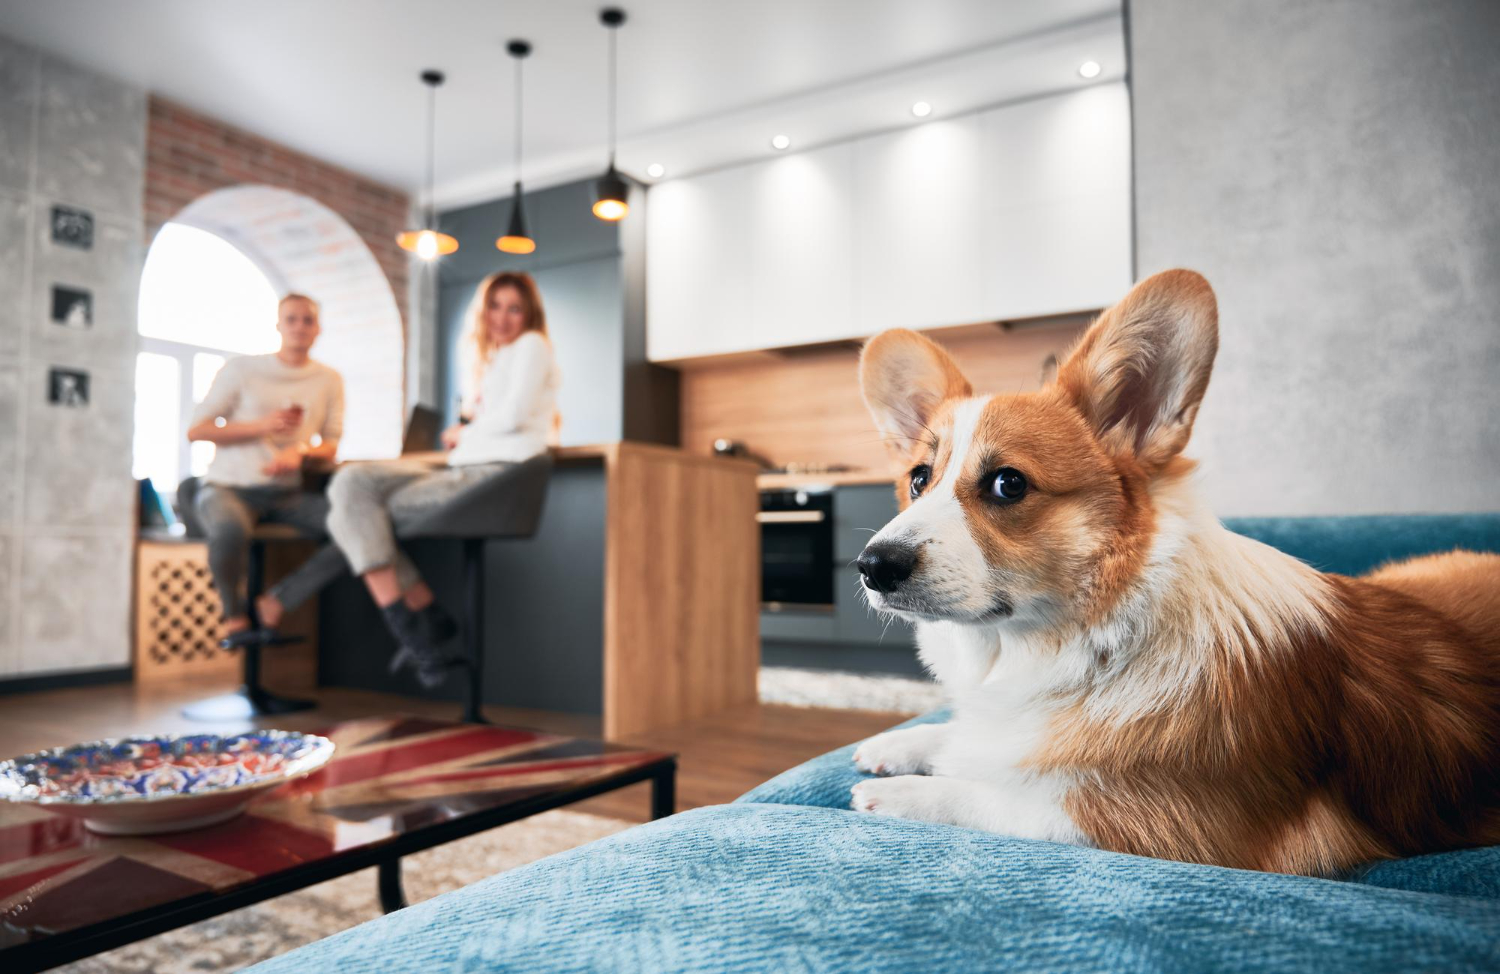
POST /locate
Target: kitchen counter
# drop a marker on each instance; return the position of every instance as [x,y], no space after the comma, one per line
[845,478]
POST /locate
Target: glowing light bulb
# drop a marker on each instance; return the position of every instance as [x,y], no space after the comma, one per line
[921,109]
[427,245]
[780,142]
[656,170]
[1089,69]
[611,210]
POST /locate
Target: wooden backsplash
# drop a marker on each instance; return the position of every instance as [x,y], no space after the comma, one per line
[803,406]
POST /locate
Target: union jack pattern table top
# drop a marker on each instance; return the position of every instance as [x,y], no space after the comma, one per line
[390,777]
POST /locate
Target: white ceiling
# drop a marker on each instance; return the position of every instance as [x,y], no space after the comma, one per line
[702,82]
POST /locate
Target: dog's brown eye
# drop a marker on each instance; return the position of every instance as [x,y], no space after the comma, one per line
[919,476]
[1008,486]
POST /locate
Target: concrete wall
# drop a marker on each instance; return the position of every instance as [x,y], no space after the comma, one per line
[1334,169]
[72,138]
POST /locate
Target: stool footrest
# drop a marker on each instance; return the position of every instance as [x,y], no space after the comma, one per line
[260,637]
[244,703]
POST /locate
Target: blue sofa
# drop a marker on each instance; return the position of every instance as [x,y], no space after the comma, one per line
[789,879]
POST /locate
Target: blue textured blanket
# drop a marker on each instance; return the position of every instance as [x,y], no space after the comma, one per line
[751,887]
[824,782]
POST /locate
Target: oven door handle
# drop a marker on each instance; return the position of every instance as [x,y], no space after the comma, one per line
[791,517]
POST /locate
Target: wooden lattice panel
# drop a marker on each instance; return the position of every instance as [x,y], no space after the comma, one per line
[177,614]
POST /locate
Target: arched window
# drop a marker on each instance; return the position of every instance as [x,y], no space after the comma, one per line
[202,300]
[208,292]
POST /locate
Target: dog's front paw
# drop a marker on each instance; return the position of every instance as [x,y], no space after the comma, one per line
[905,796]
[896,752]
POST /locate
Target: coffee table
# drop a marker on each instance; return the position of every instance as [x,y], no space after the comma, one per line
[395,786]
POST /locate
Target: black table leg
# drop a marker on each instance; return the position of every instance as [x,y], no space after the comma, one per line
[664,792]
[391,896]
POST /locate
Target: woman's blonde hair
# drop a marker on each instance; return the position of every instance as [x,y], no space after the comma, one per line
[477,345]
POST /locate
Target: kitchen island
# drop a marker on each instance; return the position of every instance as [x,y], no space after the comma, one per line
[637,599]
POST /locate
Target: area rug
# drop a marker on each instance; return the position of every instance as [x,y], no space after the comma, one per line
[244,937]
[837,690]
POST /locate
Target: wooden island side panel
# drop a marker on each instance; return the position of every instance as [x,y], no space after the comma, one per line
[682,587]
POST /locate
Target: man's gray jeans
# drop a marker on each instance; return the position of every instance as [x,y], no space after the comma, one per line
[229,516]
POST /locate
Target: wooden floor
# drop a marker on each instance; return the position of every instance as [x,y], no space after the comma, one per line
[719,758]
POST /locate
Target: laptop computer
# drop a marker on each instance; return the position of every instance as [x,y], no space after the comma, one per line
[422,431]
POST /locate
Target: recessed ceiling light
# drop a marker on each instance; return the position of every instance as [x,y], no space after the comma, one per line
[921,109]
[1089,69]
[780,142]
[656,170]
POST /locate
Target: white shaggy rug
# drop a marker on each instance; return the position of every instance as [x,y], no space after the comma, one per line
[847,691]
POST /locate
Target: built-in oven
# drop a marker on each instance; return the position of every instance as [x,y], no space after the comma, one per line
[796,545]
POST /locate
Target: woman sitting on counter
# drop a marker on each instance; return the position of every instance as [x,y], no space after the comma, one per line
[508,410]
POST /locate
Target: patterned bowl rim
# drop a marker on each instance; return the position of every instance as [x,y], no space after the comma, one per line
[305,765]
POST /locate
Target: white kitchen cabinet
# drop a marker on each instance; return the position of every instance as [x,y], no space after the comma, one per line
[1016,212]
[917,226]
[802,248]
[1056,215]
[1055,258]
[698,266]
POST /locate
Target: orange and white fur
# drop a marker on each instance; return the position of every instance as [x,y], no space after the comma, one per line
[1126,673]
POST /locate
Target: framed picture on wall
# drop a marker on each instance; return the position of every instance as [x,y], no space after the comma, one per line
[68,387]
[72,227]
[72,307]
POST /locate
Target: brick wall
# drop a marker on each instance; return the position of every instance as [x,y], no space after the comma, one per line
[188,155]
[316,229]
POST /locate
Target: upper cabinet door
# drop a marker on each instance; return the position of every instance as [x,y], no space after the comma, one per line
[698,266]
[917,227]
[1057,235]
[801,227]
[1016,212]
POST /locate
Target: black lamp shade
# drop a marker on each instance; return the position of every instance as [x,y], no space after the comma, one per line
[611,195]
[516,239]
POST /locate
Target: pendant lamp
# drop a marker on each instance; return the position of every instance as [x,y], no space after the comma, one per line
[427,243]
[610,191]
[516,239]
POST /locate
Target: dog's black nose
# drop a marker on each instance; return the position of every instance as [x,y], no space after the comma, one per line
[886,566]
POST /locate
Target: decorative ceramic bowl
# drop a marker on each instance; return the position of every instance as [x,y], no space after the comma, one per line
[165,783]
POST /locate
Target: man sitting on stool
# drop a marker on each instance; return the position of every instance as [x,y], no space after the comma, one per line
[265,414]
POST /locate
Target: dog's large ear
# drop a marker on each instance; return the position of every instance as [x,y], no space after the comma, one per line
[904,376]
[1139,373]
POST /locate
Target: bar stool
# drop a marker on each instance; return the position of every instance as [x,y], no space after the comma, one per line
[252,699]
[507,505]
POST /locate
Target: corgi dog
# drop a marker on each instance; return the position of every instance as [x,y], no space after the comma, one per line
[1126,673]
